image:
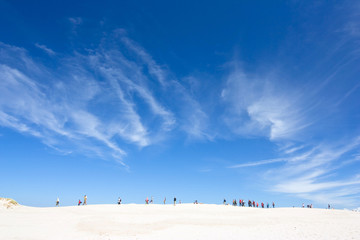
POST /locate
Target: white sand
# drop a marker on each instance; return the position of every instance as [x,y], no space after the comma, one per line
[186,221]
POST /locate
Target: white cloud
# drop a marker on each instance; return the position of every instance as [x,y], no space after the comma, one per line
[308,185]
[75,20]
[134,129]
[352,16]
[75,23]
[51,113]
[154,69]
[308,174]
[96,102]
[194,121]
[191,117]
[258,107]
[28,102]
[350,92]
[45,49]
[258,163]
[294,149]
[11,122]
[119,78]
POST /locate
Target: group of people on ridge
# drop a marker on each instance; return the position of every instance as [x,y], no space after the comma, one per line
[250,203]
[85,201]
[79,202]
[152,200]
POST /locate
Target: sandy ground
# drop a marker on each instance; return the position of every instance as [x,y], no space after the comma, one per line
[185,221]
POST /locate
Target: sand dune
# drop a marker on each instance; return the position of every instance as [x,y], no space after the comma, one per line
[185,221]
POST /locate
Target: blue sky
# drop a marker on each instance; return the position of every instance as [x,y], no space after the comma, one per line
[203,101]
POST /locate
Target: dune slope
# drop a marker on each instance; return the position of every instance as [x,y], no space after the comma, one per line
[186,221]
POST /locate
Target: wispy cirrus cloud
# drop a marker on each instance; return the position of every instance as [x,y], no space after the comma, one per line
[313,112]
[352,17]
[154,69]
[313,173]
[49,112]
[267,103]
[123,74]
[96,101]
[75,20]
[192,118]
[257,106]
[45,49]
[75,24]
[258,163]
[307,169]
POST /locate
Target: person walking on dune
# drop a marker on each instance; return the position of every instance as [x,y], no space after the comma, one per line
[164,200]
[57,202]
[174,201]
[85,200]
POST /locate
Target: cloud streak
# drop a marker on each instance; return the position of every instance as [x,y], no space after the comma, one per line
[259,163]
[45,49]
